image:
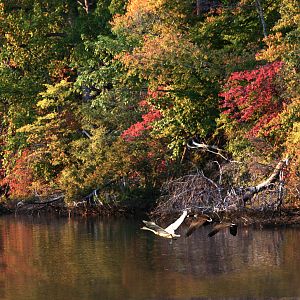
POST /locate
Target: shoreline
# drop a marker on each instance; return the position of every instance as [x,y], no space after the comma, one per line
[286,216]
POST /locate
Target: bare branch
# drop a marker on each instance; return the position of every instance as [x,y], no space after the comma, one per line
[86,133]
[86,5]
[251,191]
[201,193]
[209,148]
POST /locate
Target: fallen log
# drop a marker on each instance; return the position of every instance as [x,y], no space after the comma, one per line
[37,205]
[251,191]
[58,198]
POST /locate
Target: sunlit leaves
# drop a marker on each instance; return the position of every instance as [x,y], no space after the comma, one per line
[94,101]
[140,127]
[172,65]
[20,178]
[251,97]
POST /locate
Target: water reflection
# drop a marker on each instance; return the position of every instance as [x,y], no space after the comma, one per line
[114,259]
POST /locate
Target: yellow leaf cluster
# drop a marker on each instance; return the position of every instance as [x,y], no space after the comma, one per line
[276,48]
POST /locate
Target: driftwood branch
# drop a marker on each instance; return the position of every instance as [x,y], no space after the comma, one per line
[93,198]
[56,199]
[38,205]
[251,191]
[196,192]
[212,149]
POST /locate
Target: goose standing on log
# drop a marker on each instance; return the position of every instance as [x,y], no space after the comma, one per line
[201,220]
[232,228]
[168,232]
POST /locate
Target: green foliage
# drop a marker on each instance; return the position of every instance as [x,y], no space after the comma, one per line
[74,78]
[279,138]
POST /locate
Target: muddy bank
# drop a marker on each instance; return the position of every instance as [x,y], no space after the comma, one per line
[62,209]
[286,216]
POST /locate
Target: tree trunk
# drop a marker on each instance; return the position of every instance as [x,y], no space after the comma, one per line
[198,7]
[86,5]
[261,17]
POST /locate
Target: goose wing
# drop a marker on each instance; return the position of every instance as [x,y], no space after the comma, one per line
[152,226]
[195,225]
[171,228]
[213,232]
[216,229]
[232,228]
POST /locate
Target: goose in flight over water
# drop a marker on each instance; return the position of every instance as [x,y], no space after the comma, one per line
[232,228]
[201,220]
[168,232]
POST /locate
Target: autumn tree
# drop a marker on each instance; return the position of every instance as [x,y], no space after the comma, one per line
[263,103]
[38,41]
[106,94]
[31,55]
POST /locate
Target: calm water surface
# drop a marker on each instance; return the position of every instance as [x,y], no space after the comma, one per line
[113,259]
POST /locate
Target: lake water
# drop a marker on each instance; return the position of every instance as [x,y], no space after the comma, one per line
[111,259]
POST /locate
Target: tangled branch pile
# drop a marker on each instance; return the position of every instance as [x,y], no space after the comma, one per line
[195,191]
[202,194]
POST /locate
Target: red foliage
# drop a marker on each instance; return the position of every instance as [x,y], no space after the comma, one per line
[138,128]
[161,167]
[251,96]
[152,115]
[21,177]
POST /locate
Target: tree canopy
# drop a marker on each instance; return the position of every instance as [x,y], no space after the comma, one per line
[106,94]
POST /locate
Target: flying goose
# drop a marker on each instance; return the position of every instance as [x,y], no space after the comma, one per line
[168,232]
[232,228]
[198,222]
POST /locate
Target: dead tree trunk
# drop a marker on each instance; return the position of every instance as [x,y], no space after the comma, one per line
[86,4]
[251,191]
[198,7]
[261,17]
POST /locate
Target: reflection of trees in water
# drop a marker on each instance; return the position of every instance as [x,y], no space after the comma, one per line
[3,265]
[262,248]
[44,256]
[114,259]
[200,255]
[222,266]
